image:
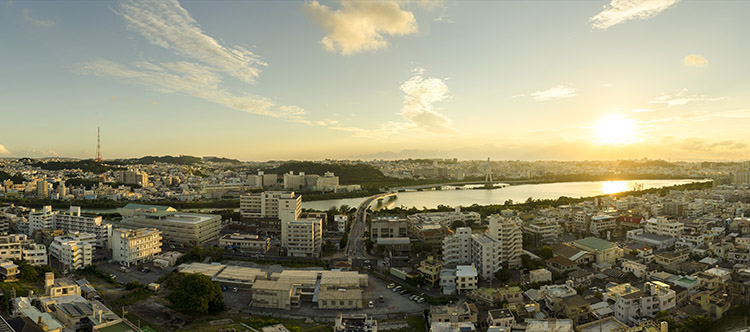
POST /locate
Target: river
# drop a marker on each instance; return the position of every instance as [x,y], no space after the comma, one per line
[517,193]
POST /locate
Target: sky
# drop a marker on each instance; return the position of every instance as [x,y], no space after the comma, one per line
[278,80]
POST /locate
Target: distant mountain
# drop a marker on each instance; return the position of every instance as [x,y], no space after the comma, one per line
[222,160]
[182,160]
[15,178]
[88,165]
[348,174]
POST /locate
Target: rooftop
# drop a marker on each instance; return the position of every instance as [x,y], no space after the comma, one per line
[594,243]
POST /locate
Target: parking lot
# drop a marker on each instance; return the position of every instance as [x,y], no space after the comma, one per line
[133,274]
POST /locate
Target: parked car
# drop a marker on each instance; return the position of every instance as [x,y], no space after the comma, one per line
[397,288]
[381,299]
[371,305]
[224,288]
[421,299]
[390,286]
[234,290]
[404,291]
[413,297]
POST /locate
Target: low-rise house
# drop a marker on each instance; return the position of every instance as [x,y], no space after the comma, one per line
[637,269]
[275,294]
[454,313]
[655,298]
[603,251]
[581,277]
[561,264]
[540,275]
[430,269]
[8,271]
[500,318]
[246,242]
[576,308]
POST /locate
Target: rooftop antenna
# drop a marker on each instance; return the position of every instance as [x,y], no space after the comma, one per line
[98,145]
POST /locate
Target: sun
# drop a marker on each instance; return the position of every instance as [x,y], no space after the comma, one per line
[616,129]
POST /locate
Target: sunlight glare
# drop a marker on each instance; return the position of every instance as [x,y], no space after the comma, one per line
[616,129]
[613,187]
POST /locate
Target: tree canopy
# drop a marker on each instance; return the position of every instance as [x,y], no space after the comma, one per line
[195,294]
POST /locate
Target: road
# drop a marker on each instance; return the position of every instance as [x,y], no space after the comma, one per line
[355,246]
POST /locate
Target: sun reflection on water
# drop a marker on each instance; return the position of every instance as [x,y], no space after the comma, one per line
[613,187]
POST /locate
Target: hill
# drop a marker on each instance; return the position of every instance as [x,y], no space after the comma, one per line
[348,174]
[88,165]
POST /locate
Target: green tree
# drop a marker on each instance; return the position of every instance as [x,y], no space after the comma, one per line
[546,252]
[195,294]
[502,275]
[695,324]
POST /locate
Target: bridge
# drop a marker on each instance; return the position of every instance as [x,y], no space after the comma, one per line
[355,246]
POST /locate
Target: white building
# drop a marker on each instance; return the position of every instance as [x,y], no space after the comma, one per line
[545,231]
[72,252]
[340,221]
[662,226]
[270,204]
[485,251]
[638,269]
[134,246]
[657,297]
[302,237]
[34,253]
[510,239]
[41,219]
[75,222]
[10,246]
[540,275]
[457,248]
[459,280]
[601,224]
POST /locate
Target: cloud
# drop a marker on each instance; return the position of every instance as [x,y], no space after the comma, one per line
[695,60]
[681,98]
[190,78]
[35,21]
[359,26]
[420,93]
[165,23]
[557,92]
[4,151]
[641,110]
[620,11]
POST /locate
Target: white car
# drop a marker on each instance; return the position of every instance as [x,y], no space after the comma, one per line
[371,305]
[390,286]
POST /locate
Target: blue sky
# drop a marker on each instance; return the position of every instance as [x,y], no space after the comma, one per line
[311,80]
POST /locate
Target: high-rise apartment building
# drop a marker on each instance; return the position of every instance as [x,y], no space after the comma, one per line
[73,221]
[132,177]
[457,248]
[302,237]
[508,234]
[265,211]
[41,219]
[72,251]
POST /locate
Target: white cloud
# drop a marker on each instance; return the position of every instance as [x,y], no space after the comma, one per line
[620,11]
[35,21]
[165,23]
[4,151]
[359,26]
[681,98]
[189,78]
[695,60]
[420,93]
[557,92]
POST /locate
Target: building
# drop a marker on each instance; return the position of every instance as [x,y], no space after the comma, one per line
[41,219]
[135,246]
[462,312]
[605,252]
[341,223]
[177,228]
[355,323]
[34,253]
[662,226]
[484,252]
[430,269]
[650,239]
[8,271]
[510,239]
[302,237]
[553,295]
[132,177]
[601,225]
[72,252]
[275,294]
[10,246]
[457,248]
[466,278]
[657,297]
[542,231]
[540,275]
[637,269]
[265,211]
[387,227]
[500,318]
[340,298]
[576,308]
[75,222]
[245,242]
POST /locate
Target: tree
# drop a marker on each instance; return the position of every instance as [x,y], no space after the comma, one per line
[546,252]
[344,240]
[502,275]
[195,294]
[696,324]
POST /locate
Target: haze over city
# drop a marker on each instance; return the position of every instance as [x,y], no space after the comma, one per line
[254,80]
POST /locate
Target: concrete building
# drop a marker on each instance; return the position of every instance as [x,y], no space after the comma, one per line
[554,294]
[662,226]
[8,271]
[341,223]
[604,251]
[134,246]
[75,222]
[500,318]
[302,237]
[132,177]
[177,228]
[650,239]
[72,251]
[355,323]
[540,275]
[264,212]
[485,252]
[41,219]
[10,246]
[510,239]
[457,248]
[34,253]
[387,227]
[466,278]
[245,242]
[601,224]
[275,294]
[657,297]
[430,269]
[543,231]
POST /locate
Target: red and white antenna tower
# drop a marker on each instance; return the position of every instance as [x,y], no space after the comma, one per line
[98,145]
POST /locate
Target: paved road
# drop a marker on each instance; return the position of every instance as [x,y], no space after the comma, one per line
[355,247]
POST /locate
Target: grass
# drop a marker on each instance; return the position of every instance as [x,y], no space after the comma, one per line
[732,319]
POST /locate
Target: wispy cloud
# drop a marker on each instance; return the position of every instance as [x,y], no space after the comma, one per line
[620,11]
[4,151]
[165,23]
[359,26]
[681,98]
[695,60]
[35,21]
[557,92]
